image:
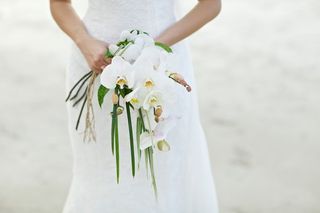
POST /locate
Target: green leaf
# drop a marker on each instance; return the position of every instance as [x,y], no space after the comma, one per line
[138,31]
[108,54]
[115,135]
[102,91]
[117,148]
[138,133]
[164,46]
[124,91]
[146,158]
[113,126]
[131,138]
[142,122]
[153,177]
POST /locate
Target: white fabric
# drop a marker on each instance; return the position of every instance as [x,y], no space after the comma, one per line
[183,174]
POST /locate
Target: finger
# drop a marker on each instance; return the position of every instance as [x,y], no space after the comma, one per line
[99,64]
[103,66]
[96,69]
[107,60]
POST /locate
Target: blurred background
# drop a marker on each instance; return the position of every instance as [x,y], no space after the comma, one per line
[261,113]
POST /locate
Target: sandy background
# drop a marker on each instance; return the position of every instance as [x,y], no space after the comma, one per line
[260,60]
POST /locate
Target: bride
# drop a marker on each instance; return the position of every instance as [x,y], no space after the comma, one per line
[184,177]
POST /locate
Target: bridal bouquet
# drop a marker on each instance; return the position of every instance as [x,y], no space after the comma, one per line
[142,84]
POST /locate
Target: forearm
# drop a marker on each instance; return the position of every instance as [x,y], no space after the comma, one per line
[68,20]
[202,13]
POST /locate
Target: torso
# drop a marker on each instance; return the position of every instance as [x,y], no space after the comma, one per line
[105,19]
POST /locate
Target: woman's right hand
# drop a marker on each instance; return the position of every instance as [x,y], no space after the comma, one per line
[94,52]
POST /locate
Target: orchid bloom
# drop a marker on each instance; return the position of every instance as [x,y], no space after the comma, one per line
[127,35]
[119,72]
[133,50]
[113,48]
[152,100]
[158,135]
[136,98]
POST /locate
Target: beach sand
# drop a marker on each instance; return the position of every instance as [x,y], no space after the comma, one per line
[258,73]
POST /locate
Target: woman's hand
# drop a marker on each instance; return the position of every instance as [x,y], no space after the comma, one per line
[68,20]
[94,52]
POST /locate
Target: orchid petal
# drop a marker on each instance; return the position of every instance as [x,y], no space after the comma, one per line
[145,140]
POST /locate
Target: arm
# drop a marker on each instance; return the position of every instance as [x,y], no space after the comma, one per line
[68,20]
[202,13]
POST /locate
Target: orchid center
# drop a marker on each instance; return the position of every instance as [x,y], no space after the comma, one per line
[121,81]
[148,83]
[153,101]
[134,100]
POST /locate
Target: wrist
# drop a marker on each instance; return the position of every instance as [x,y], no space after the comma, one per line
[81,39]
[163,40]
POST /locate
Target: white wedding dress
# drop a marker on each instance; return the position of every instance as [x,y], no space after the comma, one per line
[183,174]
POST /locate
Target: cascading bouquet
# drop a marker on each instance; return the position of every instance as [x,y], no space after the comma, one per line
[143,84]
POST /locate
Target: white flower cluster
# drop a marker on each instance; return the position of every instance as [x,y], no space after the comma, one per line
[141,67]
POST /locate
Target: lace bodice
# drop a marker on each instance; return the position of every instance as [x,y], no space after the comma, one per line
[105,19]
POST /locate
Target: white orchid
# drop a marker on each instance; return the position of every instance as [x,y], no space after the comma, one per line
[147,73]
[152,100]
[161,60]
[158,135]
[136,46]
[131,52]
[144,40]
[128,36]
[113,49]
[136,98]
[119,72]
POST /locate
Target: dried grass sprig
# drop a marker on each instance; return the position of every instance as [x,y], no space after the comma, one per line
[89,132]
[86,97]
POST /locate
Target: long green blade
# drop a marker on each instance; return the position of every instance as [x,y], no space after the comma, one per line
[117,148]
[153,177]
[146,158]
[141,117]
[131,139]
[113,125]
[138,133]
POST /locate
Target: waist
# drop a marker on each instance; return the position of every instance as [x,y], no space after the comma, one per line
[107,22]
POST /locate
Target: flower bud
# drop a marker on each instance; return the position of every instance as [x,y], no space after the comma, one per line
[115,98]
[158,111]
[120,110]
[179,79]
[163,146]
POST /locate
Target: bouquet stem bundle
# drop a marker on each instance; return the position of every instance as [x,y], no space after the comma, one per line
[138,78]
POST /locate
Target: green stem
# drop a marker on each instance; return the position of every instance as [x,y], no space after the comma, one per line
[149,155]
[150,130]
[117,149]
[113,125]
[80,87]
[82,96]
[78,82]
[141,116]
[126,47]
[154,183]
[146,158]
[80,113]
[138,133]
[115,135]
[131,139]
